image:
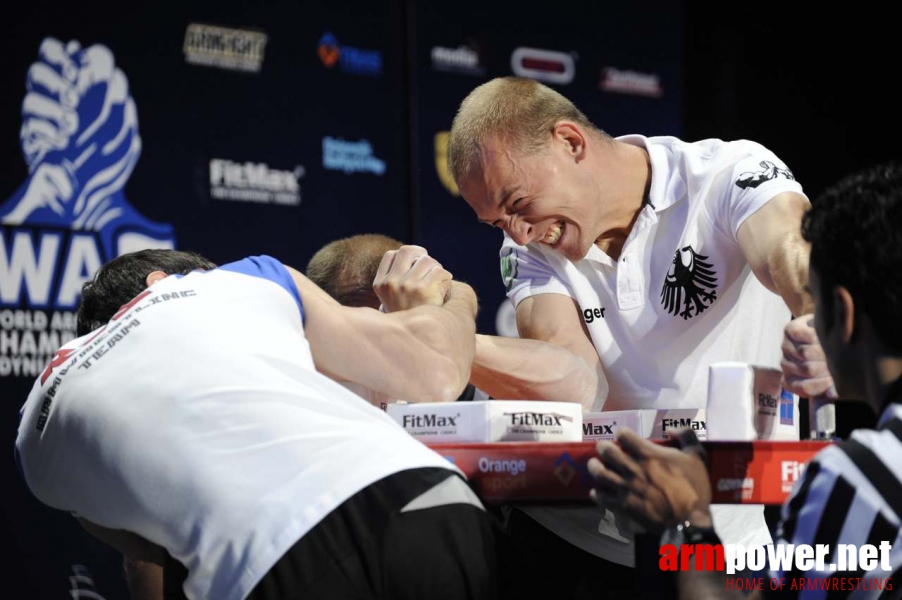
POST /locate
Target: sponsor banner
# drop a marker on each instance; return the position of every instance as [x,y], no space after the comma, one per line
[224,48]
[70,215]
[630,82]
[349,59]
[740,472]
[748,402]
[648,423]
[351,157]
[490,421]
[464,59]
[254,182]
[548,66]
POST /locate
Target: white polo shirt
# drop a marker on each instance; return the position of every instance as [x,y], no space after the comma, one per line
[680,297]
[196,419]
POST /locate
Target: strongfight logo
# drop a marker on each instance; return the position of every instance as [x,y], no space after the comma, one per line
[691,281]
[769,171]
[80,140]
[224,48]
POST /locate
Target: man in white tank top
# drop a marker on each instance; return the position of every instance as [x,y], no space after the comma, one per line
[190,424]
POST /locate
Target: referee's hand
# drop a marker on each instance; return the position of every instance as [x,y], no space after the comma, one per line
[656,486]
[804,363]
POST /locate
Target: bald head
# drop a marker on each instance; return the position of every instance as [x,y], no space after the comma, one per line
[519,111]
[346,268]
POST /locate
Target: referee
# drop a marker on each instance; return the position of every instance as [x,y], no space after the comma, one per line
[851,493]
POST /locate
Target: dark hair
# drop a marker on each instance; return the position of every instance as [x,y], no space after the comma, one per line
[123,278]
[345,269]
[855,230]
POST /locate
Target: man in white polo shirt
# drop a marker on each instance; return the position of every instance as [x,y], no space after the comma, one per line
[641,260]
[191,425]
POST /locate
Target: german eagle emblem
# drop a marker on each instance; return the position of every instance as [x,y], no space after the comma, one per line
[690,282]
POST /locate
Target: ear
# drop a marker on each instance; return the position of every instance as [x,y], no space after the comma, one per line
[573,138]
[844,309]
[154,277]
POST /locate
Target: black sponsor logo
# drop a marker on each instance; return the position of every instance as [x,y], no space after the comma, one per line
[683,423]
[597,429]
[541,419]
[590,314]
[769,171]
[430,420]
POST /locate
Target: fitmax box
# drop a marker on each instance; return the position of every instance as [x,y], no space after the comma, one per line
[648,423]
[491,421]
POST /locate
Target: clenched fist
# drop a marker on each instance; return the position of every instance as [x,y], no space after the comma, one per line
[409,277]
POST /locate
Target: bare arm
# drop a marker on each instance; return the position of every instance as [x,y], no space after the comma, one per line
[771,240]
[553,360]
[143,560]
[423,353]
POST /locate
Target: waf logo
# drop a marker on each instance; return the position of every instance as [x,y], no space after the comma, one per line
[690,281]
[80,142]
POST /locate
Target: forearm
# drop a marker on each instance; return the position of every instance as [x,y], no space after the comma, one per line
[145,579]
[448,333]
[788,267]
[532,370]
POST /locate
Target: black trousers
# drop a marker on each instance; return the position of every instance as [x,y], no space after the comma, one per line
[368,549]
[537,564]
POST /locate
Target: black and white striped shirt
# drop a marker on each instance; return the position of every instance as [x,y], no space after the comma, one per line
[851,493]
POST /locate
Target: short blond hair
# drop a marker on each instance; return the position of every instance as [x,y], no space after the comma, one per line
[520,111]
[345,269]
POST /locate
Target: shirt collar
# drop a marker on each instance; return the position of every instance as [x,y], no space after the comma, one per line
[667,185]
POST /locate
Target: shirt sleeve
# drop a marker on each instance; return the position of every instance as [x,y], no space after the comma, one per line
[756,176]
[526,272]
[267,267]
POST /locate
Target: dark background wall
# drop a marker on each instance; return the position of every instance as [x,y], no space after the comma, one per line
[814,86]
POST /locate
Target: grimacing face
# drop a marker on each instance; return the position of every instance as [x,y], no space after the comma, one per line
[543,197]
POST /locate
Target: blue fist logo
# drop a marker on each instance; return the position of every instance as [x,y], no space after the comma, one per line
[80,139]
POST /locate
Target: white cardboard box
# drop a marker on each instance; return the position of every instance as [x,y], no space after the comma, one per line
[491,421]
[747,402]
[648,423]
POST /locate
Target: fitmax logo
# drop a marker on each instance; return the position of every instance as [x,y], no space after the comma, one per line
[429,420]
[597,429]
[767,401]
[681,423]
[543,419]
